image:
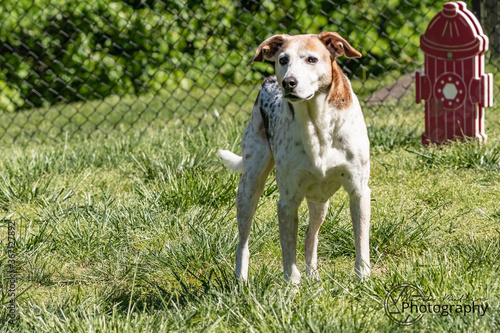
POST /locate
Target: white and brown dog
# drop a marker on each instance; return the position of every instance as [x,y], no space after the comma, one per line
[308,122]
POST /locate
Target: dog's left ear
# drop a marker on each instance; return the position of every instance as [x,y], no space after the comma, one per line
[337,45]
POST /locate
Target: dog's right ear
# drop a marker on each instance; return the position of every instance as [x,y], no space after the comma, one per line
[268,49]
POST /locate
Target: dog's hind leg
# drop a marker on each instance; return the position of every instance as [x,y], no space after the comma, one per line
[257,163]
[317,214]
[360,213]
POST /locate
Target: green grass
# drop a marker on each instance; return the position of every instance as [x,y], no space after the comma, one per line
[137,233]
[173,106]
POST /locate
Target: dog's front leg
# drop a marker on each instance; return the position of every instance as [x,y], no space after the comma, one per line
[360,214]
[317,214]
[288,225]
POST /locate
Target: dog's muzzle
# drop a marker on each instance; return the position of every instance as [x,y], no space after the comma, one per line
[289,84]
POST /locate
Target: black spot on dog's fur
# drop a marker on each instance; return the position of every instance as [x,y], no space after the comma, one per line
[270,96]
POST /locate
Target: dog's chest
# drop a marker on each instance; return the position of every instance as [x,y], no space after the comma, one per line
[311,171]
[314,153]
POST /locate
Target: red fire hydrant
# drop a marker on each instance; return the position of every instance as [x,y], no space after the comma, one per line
[454,87]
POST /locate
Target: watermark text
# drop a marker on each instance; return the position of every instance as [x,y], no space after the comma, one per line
[11,270]
[406,304]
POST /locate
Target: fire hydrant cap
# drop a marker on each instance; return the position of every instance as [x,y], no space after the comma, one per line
[450,9]
[452,34]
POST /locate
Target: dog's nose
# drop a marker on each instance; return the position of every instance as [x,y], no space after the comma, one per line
[290,83]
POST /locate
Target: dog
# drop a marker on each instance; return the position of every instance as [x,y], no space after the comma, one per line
[308,122]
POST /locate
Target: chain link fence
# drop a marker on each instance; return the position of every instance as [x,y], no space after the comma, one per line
[73,67]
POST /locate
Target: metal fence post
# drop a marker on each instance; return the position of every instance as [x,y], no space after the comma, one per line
[487,14]
[493,25]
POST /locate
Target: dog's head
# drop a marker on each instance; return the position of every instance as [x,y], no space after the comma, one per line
[303,63]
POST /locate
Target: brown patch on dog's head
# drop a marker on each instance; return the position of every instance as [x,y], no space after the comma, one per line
[269,48]
[340,91]
[313,43]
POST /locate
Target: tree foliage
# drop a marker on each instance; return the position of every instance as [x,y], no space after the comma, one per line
[72,50]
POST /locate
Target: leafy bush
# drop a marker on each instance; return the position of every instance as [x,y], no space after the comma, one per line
[73,50]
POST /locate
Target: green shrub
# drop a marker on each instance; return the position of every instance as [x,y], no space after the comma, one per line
[71,50]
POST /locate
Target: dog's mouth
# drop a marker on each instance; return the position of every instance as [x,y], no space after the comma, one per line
[295,98]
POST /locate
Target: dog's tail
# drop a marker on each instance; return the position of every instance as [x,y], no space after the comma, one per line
[232,161]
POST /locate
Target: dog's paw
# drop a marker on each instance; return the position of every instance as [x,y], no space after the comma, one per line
[293,277]
[362,271]
[312,274]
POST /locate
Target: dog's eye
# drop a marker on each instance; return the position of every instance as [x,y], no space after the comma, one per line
[284,61]
[312,60]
